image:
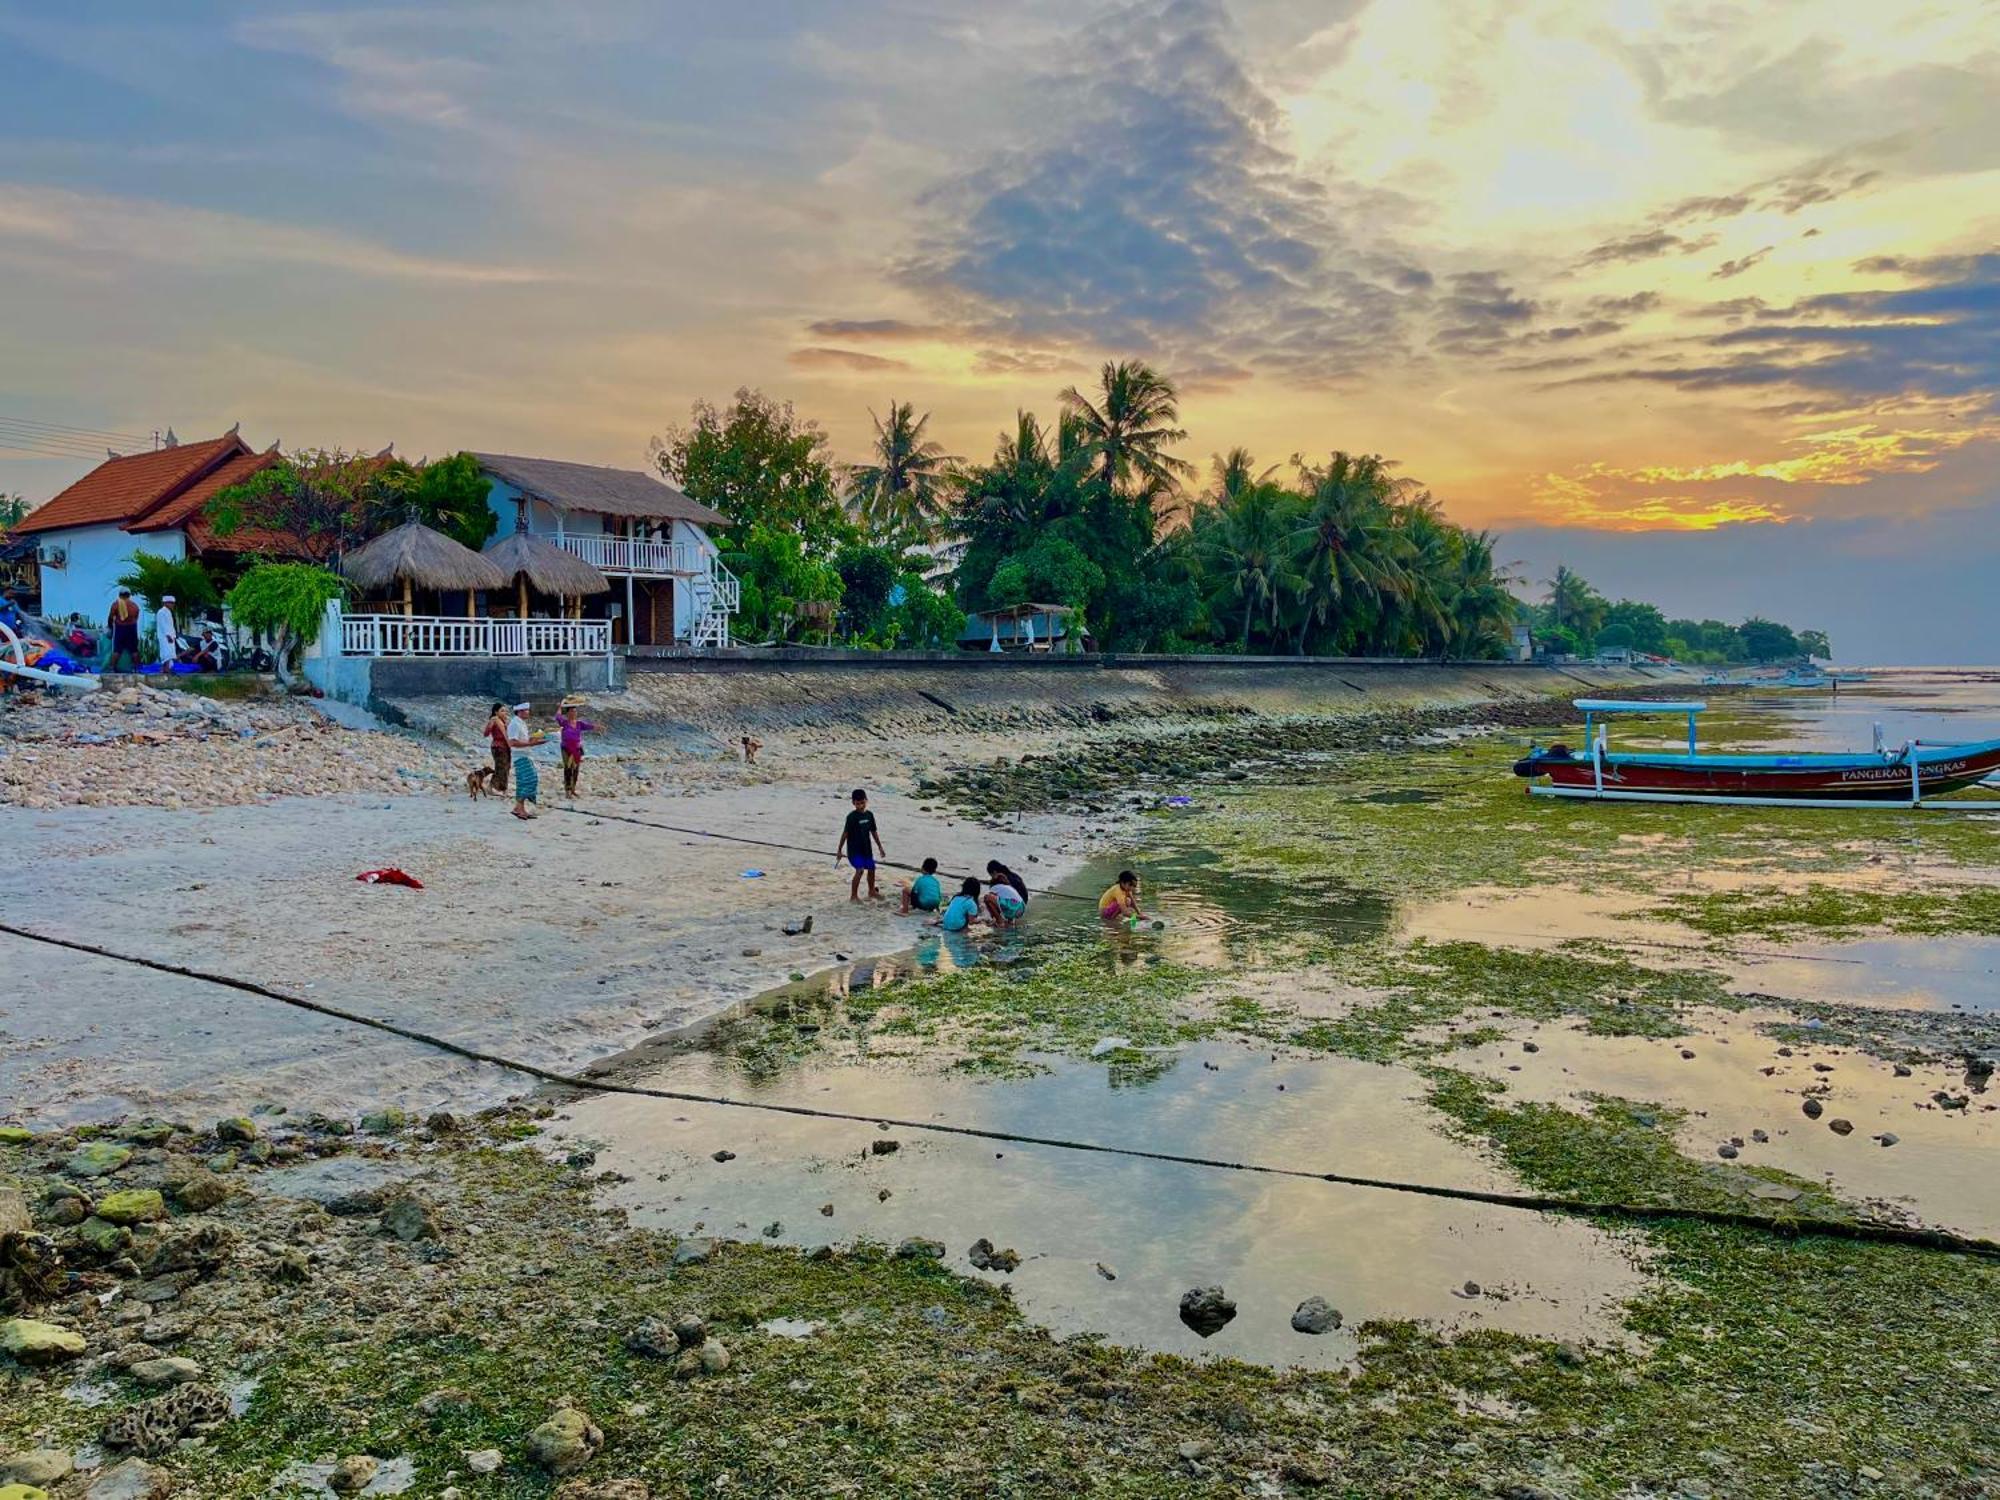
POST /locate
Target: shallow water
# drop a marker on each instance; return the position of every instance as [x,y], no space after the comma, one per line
[1259,931]
[1940,1168]
[1160,1227]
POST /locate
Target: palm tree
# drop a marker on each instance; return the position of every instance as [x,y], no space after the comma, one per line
[1347,544]
[1574,605]
[1482,605]
[1129,427]
[905,490]
[1235,472]
[1244,541]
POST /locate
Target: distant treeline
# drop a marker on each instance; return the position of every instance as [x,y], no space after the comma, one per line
[1577,620]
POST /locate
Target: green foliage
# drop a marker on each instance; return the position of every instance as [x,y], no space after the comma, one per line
[1647,624]
[1052,571]
[1766,640]
[447,495]
[1815,643]
[286,602]
[285,598]
[152,577]
[867,574]
[927,619]
[1559,640]
[777,578]
[758,463]
[903,493]
[13,510]
[1616,638]
[323,500]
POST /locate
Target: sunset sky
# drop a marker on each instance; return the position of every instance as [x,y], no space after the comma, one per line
[1701,298]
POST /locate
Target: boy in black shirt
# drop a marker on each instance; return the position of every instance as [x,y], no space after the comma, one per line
[862,844]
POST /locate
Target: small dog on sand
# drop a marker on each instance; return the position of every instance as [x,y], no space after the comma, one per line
[479,783]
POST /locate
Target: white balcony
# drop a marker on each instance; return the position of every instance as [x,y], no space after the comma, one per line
[641,558]
[444,635]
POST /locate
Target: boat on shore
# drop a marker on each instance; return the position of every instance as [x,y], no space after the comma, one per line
[1904,777]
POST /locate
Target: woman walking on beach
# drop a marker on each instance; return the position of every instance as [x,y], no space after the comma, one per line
[496,739]
[574,727]
[527,781]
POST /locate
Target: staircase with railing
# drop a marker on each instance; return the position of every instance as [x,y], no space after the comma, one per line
[717,594]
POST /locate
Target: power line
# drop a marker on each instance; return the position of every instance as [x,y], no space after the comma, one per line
[1791,1227]
[63,428]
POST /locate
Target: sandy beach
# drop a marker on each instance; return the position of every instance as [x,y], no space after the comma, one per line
[560,941]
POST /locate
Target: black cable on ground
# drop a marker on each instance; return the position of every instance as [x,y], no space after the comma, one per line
[1328,920]
[1871,1233]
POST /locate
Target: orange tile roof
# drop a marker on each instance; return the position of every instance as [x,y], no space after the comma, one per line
[187,505]
[121,490]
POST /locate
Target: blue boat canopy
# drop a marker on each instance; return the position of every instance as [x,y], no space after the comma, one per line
[1635,706]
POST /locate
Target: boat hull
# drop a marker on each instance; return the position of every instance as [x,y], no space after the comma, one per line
[1835,780]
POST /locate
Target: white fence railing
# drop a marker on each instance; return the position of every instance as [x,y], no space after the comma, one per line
[441,635]
[620,554]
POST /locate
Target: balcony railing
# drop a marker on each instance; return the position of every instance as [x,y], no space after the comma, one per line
[618,554]
[441,635]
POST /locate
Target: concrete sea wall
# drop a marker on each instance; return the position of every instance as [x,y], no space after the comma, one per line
[702,704]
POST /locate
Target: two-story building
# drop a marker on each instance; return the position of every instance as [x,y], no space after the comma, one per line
[668,583]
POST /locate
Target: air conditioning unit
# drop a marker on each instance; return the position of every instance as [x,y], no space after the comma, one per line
[54,557]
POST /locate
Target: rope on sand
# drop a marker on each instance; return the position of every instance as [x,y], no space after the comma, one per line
[1863,1231]
[1327,919]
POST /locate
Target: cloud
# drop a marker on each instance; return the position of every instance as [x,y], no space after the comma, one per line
[1646,245]
[1739,265]
[888,330]
[1156,211]
[1938,338]
[842,359]
[87,227]
[1022,362]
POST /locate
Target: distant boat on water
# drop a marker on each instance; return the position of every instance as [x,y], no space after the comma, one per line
[1880,777]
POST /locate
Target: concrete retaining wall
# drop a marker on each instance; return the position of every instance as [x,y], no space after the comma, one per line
[378,682]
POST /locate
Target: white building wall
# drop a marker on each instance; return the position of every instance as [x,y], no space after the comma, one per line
[684,611]
[95,556]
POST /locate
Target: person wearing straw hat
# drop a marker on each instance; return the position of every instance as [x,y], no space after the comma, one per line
[527,782]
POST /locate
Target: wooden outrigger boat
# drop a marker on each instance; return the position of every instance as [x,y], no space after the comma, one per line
[1881,777]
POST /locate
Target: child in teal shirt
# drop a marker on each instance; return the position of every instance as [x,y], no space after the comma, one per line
[964,908]
[924,893]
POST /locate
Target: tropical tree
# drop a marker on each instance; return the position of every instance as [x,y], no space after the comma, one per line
[1246,543]
[905,490]
[155,578]
[1347,545]
[1126,430]
[1767,640]
[1815,643]
[325,500]
[1574,604]
[1482,607]
[447,494]
[285,602]
[757,462]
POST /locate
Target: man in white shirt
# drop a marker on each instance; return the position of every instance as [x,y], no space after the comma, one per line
[521,738]
[166,630]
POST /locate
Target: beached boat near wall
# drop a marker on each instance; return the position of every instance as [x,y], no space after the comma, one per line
[1881,777]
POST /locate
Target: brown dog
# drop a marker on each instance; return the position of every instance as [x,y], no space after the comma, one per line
[479,783]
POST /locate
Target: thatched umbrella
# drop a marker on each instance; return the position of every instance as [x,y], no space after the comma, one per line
[530,559]
[415,555]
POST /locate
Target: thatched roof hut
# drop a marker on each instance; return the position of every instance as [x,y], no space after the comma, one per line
[416,556]
[532,560]
[547,568]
